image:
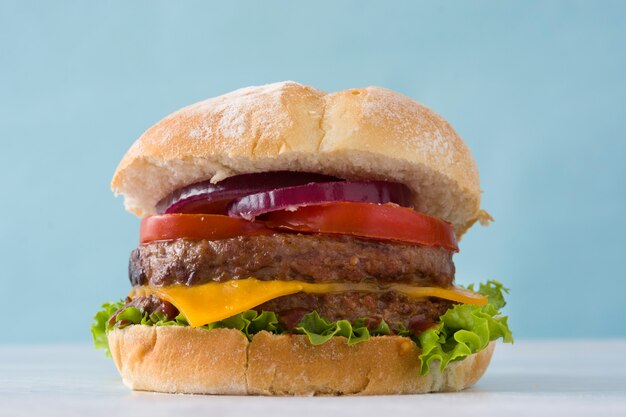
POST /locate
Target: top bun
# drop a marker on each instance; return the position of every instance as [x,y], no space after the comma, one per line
[364,133]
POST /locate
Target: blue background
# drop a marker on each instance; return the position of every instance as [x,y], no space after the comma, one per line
[537,90]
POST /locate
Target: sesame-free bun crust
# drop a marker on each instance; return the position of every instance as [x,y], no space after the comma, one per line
[364,133]
[222,361]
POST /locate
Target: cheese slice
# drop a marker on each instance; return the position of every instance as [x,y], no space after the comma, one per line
[214,301]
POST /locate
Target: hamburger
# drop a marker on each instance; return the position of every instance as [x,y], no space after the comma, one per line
[294,242]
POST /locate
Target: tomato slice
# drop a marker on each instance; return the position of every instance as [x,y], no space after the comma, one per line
[377,221]
[197,226]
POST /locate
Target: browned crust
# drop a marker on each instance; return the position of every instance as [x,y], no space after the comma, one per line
[368,132]
[222,361]
[288,256]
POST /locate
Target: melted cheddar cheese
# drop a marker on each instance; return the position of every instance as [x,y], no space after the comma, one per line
[214,301]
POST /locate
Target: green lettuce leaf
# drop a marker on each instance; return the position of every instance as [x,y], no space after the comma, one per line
[319,331]
[494,291]
[465,329]
[99,325]
[128,316]
[249,322]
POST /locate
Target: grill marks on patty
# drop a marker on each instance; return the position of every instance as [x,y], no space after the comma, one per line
[310,258]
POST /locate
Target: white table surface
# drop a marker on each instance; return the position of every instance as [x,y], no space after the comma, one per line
[530,378]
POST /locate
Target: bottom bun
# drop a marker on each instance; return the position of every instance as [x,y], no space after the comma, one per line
[222,361]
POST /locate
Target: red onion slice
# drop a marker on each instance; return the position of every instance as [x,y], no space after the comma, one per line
[206,198]
[290,198]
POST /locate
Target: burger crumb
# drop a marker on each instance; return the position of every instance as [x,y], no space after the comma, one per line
[404,347]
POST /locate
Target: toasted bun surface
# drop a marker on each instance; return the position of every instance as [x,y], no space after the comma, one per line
[366,133]
[222,361]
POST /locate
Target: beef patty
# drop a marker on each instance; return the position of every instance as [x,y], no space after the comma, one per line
[394,308]
[389,306]
[310,258]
